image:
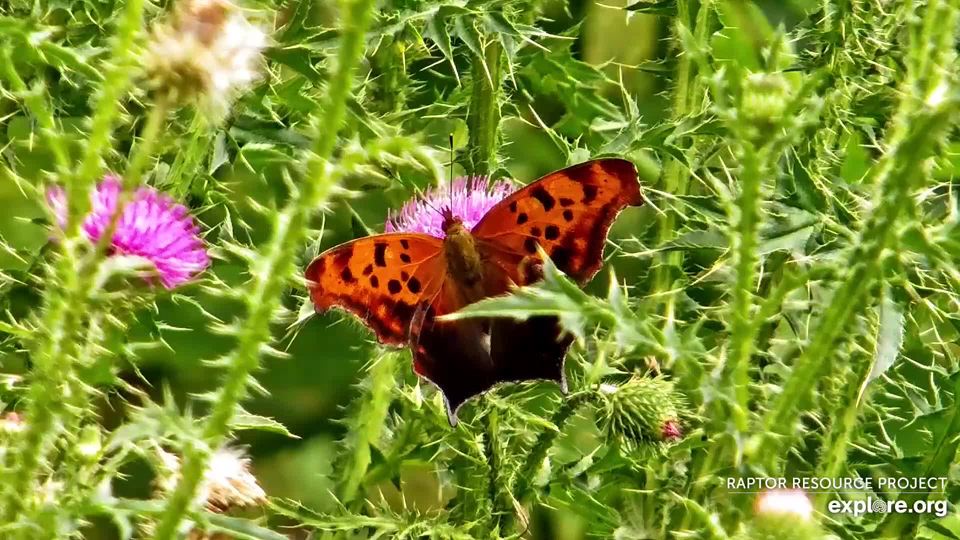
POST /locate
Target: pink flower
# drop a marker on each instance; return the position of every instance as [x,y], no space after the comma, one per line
[152,226]
[470,199]
[671,430]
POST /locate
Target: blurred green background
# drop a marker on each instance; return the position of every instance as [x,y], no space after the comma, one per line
[309,391]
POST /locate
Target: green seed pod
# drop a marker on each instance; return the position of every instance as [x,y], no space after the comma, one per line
[765,99]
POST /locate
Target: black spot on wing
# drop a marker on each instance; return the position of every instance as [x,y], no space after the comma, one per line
[374,282]
[530,245]
[552,232]
[379,254]
[405,244]
[414,285]
[404,257]
[343,256]
[513,206]
[568,215]
[368,270]
[347,276]
[404,275]
[536,231]
[545,198]
[589,193]
[565,202]
[394,286]
[561,257]
[403,311]
[522,218]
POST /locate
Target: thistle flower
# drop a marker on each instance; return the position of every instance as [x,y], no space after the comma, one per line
[152,226]
[208,52]
[469,199]
[227,482]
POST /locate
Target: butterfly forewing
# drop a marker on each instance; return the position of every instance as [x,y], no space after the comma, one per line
[382,279]
[568,213]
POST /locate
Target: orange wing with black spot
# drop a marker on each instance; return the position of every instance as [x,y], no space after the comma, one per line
[568,213]
[385,280]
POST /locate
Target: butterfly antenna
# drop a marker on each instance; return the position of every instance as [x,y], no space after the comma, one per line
[426,202]
[450,182]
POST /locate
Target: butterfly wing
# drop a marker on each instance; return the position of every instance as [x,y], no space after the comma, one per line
[467,357]
[385,280]
[568,213]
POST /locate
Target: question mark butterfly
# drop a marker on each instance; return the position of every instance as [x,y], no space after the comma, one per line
[399,283]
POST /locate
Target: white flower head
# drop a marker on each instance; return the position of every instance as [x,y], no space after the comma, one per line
[209,52]
[785,502]
[227,482]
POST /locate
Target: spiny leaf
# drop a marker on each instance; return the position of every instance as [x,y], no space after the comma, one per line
[889,340]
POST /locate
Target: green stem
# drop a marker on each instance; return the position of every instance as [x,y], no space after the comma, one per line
[39,108]
[494,453]
[186,166]
[271,270]
[52,364]
[368,424]
[677,176]
[527,473]
[115,84]
[837,438]
[484,117]
[744,241]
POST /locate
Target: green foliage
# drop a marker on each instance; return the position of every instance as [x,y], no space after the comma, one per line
[785,304]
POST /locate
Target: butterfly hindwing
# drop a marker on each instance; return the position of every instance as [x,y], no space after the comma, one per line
[381,279]
[467,357]
[567,212]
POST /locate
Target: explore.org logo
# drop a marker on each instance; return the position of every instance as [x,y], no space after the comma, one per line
[878,506]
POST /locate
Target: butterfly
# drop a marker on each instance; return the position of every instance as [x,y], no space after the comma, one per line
[399,283]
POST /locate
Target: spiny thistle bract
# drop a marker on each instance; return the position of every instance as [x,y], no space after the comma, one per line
[790,283]
[641,411]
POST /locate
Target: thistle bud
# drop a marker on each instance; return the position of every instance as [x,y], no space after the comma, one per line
[782,515]
[764,102]
[642,410]
[206,53]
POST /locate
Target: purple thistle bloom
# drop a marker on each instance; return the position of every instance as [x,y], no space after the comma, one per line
[470,200]
[152,226]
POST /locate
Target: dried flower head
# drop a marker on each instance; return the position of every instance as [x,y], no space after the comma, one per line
[468,198]
[152,226]
[208,52]
[227,482]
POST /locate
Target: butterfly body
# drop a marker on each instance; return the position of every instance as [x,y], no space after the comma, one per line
[463,259]
[400,283]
